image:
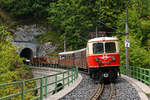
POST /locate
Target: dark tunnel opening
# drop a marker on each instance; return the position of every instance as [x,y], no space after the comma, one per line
[26,53]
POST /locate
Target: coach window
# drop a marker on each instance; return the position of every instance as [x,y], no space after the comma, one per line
[98,48]
[67,57]
[71,57]
[110,47]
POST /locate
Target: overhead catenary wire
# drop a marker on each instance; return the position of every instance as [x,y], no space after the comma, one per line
[111,28]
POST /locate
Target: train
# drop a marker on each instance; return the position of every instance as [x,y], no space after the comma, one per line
[101,58]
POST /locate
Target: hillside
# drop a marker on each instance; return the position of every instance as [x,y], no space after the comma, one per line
[76,19]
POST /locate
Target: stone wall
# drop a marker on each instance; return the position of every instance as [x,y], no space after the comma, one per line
[25,37]
[33,46]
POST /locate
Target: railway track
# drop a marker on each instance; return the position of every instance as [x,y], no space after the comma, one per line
[98,92]
[102,90]
[101,94]
[83,72]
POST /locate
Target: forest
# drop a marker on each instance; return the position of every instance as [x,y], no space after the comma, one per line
[74,20]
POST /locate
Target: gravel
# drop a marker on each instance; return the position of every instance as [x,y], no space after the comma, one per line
[83,91]
[123,90]
[106,92]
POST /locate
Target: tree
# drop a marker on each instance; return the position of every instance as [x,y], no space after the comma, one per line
[139,21]
[139,57]
[74,19]
[138,34]
[26,8]
[11,67]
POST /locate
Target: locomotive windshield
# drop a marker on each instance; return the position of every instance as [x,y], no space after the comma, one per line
[98,48]
[110,47]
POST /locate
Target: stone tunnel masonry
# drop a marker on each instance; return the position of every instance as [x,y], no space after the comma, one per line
[26,47]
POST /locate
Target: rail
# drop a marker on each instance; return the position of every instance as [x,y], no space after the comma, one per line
[98,92]
[43,90]
[141,74]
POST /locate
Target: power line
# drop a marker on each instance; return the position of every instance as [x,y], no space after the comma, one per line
[107,25]
[111,27]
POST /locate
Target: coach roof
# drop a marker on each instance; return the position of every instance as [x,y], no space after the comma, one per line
[71,52]
[103,39]
[64,53]
[80,50]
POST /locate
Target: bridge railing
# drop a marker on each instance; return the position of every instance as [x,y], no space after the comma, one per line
[45,87]
[141,74]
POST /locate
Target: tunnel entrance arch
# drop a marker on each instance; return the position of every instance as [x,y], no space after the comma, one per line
[26,53]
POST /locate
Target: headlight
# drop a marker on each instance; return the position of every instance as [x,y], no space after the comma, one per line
[96,59]
[113,58]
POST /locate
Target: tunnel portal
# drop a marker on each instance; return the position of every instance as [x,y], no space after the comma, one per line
[26,53]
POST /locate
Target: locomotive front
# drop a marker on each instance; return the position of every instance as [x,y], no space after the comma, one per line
[103,58]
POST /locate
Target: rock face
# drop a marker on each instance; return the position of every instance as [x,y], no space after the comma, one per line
[46,48]
[25,36]
[27,33]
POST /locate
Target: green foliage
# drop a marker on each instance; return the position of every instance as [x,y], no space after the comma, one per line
[26,8]
[138,56]
[74,19]
[139,24]
[139,21]
[11,66]
[66,18]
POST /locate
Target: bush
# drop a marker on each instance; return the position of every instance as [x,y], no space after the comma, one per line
[11,66]
[138,56]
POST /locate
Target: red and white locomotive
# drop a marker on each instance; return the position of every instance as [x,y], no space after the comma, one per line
[101,58]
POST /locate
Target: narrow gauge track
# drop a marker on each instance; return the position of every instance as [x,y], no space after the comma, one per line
[83,72]
[100,94]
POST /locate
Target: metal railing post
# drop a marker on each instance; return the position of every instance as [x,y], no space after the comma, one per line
[22,90]
[74,73]
[55,83]
[136,71]
[77,72]
[45,86]
[144,76]
[140,74]
[133,72]
[149,77]
[72,76]
[68,77]
[63,79]
[41,89]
